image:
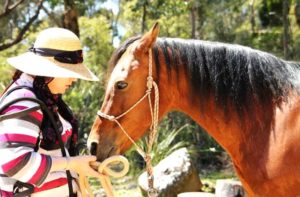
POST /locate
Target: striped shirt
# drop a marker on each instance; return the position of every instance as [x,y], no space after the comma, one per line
[18,138]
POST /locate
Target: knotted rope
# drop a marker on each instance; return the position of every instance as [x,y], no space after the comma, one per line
[104,169]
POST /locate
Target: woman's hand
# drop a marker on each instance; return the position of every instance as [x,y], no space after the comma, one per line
[78,164]
[81,165]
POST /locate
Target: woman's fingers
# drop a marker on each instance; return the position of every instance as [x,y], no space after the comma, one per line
[83,165]
[89,158]
[93,173]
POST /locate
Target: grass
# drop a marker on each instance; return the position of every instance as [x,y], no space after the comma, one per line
[209,180]
[127,186]
[132,193]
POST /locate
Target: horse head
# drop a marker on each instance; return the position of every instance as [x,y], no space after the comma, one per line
[125,114]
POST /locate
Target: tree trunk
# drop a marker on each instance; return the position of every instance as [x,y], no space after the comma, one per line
[143,28]
[286,35]
[252,17]
[297,12]
[193,10]
[70,17]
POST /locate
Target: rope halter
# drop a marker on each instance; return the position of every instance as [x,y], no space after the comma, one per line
[151,84]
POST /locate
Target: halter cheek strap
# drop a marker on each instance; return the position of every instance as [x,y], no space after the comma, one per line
[151,84]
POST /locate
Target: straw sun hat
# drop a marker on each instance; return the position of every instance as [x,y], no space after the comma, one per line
[57,52]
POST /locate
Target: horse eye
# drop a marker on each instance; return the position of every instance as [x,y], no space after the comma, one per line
[121,85]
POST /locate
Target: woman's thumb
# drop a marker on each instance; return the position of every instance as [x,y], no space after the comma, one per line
[91,157]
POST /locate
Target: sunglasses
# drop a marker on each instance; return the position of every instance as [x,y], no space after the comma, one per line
[68,57]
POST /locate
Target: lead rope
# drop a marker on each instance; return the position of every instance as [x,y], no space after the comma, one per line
[152,192]
[103,168]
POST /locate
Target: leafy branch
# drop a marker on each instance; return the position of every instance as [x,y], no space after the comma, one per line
[25,28]
[8,8]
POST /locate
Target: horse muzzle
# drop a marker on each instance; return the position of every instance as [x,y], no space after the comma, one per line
[102,150]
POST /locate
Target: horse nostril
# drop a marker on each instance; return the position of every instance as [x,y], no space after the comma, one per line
[93,149]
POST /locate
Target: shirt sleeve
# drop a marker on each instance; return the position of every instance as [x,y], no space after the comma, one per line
[18,138]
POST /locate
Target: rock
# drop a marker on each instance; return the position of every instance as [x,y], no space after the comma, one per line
[196,194]
[100,193]
[173,175]
[229,188]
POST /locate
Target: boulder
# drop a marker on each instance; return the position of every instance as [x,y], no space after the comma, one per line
[229,188]
[173,175]
[195,194]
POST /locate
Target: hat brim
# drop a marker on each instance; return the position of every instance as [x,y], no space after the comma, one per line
[37,65]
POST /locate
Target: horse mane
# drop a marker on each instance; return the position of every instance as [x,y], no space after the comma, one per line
[119,52]
[241,76]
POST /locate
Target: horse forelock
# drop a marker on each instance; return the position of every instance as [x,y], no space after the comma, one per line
[120,51]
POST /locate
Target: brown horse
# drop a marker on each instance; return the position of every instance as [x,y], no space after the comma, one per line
[248,100]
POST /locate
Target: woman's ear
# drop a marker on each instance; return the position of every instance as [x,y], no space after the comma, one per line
[148,39]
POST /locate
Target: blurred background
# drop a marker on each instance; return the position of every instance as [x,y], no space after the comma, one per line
[268,25]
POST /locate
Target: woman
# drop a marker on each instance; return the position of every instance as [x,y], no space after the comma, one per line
[30,155]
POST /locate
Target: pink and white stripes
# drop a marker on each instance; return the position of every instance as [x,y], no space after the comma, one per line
[18,138]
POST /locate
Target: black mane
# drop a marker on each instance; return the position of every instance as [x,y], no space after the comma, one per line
[120,51]
[234,74]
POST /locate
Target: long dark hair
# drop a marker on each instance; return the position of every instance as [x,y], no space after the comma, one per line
[55,104]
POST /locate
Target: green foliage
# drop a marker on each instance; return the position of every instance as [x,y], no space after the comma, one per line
[221,20]
[172,16]
[176,131]
[296,44]
[165,144]
[16,20]
[209,180]
[85,95]
[5,69]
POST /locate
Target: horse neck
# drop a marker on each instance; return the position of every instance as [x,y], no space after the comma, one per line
[208,116]
[176,93]
[233,135]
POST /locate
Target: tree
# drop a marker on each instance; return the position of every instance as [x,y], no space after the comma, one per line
[9,6]
[19,16]
[85,96]
[70,17]
[252,16]
[96,41]
[14,34]
[286,32]
[172,15]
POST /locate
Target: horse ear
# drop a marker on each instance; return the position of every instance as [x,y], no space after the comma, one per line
[148,39]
